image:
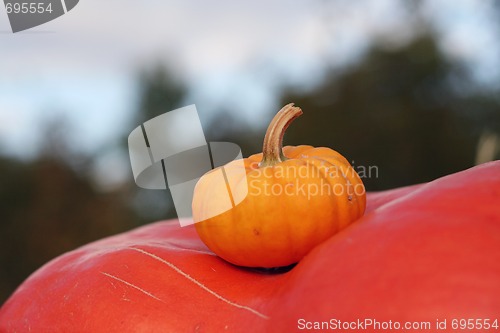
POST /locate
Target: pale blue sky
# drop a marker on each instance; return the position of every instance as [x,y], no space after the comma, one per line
[83,65]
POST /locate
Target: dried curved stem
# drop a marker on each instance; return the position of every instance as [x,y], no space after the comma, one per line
[272,149]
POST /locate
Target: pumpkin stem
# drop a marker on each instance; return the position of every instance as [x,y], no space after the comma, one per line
[272,151]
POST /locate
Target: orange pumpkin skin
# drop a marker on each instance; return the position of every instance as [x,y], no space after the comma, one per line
[289,207]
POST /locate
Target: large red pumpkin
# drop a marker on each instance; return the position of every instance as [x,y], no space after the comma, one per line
[420,255]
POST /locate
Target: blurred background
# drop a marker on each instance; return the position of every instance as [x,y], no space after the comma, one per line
[411,87]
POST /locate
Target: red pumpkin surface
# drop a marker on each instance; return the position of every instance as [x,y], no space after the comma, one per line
[424,253]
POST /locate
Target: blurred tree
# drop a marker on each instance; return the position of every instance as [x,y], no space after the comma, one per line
[226,127]
[159,92]
[397,110]
[48,207]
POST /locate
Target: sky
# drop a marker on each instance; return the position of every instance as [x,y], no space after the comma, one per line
[233,55]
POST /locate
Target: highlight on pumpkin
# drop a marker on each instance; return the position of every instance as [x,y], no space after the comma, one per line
[283,202]
[227,189]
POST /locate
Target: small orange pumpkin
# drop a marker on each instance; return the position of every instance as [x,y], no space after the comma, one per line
[290,200]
